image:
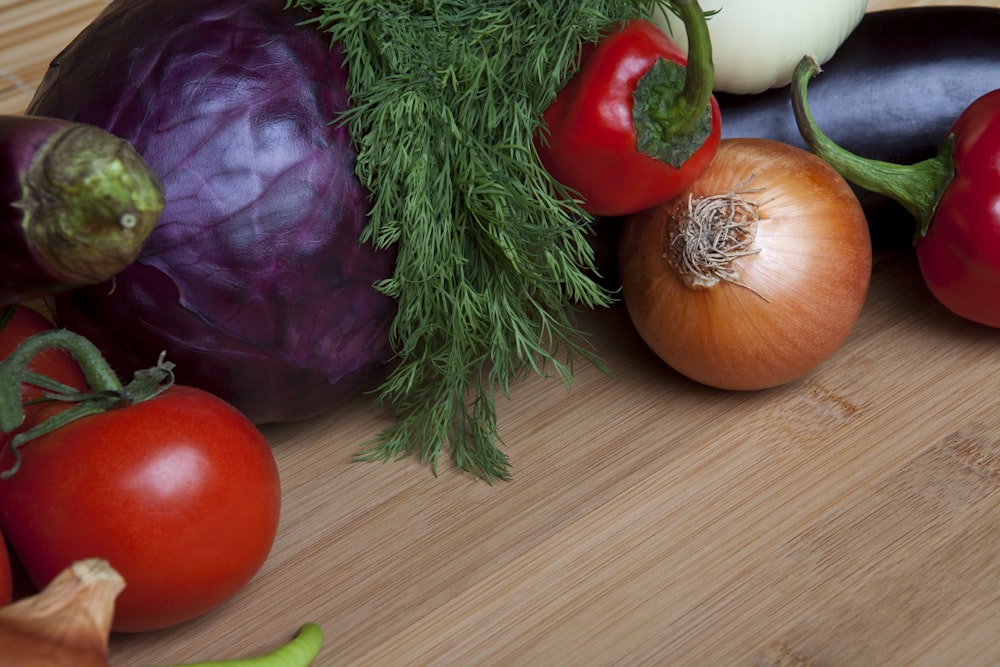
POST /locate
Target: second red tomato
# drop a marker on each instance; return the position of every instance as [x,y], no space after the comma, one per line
[180,493]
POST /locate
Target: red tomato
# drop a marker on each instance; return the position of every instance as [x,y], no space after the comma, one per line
[24,322]
[18,322]
[180,493]
[6,578]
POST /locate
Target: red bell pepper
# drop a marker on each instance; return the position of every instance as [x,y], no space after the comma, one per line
[954,197]
[635,125]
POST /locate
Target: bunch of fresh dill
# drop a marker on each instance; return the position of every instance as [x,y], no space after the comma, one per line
[493,257]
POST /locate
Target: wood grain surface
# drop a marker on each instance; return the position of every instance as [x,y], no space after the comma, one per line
[850,518]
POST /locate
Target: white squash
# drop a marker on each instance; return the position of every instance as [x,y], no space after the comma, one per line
[757,43]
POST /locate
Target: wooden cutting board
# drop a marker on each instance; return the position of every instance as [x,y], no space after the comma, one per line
[851,518]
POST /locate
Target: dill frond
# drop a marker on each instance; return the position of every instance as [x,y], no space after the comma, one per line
[493,259]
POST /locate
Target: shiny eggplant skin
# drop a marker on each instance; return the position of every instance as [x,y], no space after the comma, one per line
[889,93]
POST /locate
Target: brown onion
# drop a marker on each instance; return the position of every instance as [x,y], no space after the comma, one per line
[67,623]
[754,276]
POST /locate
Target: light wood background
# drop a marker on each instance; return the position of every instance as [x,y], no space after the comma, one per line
[851,518]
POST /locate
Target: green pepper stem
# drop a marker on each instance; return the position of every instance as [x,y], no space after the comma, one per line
[298,652]
[688,107]
[672,104]
[917,187]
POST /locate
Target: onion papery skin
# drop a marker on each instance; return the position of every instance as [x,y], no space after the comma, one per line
[798,295]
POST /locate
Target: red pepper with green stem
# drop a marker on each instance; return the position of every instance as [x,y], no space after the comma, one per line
[954,197]
[637,123]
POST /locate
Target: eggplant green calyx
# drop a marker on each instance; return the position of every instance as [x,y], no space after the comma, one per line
[299,652]
[105,390]
[90,202]
[672,109]
[918,187]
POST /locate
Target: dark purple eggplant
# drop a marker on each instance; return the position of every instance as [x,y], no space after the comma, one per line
[76,206]
[889,93]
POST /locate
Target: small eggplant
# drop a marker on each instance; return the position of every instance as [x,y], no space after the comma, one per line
[76,206]
[889,93]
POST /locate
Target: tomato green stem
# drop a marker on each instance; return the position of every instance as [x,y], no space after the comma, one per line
[106,391]
[917,187]
[298,652]
[13,369]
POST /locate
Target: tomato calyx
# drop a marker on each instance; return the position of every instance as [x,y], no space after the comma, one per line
[105,390]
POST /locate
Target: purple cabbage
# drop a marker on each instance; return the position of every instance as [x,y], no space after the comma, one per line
[255,282]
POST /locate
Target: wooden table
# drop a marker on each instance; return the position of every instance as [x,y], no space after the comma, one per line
[851,518]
